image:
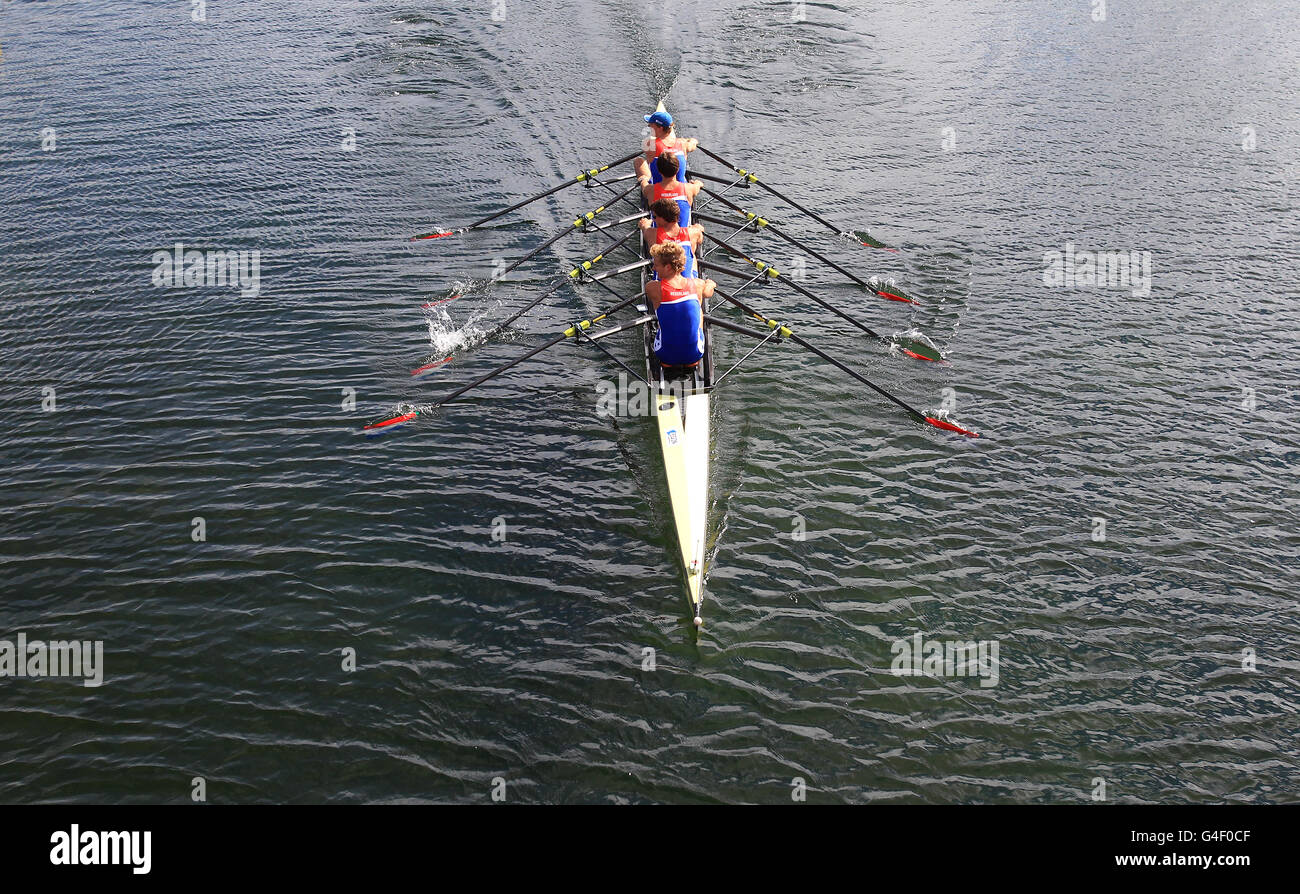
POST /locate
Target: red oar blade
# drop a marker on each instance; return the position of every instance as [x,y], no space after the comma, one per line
[387,425]
[870,242]
[948,426]
[891,292]
[435,234]
[429,367]
[429,305]
[914,347]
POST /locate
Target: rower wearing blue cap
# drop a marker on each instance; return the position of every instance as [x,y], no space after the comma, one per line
[662,139]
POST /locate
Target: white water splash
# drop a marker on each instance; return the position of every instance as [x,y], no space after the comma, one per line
[455,325]
[914,334]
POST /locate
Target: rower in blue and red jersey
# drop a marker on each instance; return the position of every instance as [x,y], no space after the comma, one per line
[677,303]
[668,186]
[663,139]
[667,228]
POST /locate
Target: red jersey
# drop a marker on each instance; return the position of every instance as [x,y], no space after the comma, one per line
[668,189]
[683,238]
[687,291]
[667,144]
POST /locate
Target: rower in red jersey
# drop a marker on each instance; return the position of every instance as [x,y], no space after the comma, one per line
[669,187]
[667,228]
[663,139]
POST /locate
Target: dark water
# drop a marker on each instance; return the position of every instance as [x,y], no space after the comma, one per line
[1170,416]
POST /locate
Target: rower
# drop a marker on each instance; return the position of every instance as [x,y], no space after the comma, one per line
[667,227]
[677,303]
[664,139]
[668,186]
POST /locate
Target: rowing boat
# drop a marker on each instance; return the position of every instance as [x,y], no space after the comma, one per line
[681,408]
[681,405]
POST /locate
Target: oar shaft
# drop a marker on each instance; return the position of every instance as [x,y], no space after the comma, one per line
[568,333]
[560,235]
[727,324]
[714,178]
[911,411]
[723,268]
[502,327]
[772,228]
[617,271]
[496,372]
[753,178]
[579,178]
[572,275]
[517,205]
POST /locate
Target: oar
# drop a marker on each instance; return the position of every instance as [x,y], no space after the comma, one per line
[434,362]
[384,425]
[760,222]
[579,178]
[764,224]
[785,332]
[753,178]
[774,272]
[577,224]
[910,346]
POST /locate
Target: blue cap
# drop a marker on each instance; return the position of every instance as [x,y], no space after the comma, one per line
[663,119]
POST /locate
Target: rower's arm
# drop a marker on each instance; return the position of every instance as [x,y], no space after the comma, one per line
[652,293]
[706,290]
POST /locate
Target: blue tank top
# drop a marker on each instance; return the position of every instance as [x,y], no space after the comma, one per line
[680,339]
